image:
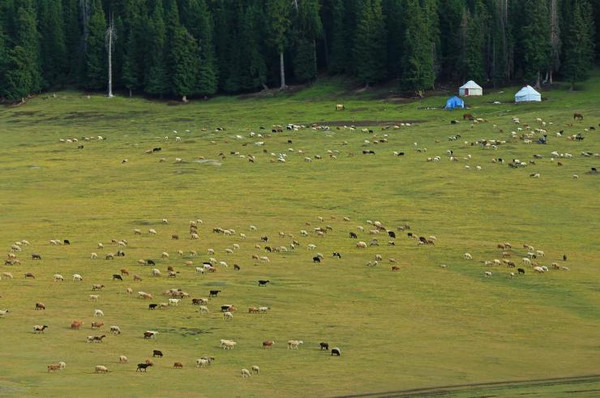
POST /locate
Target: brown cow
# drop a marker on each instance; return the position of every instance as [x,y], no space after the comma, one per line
[76,324]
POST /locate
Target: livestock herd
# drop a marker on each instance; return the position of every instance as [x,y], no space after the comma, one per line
[267,250]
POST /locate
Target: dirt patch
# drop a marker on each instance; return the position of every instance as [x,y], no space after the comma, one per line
[361,123]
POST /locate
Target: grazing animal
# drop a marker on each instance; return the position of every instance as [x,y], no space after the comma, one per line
[117,277]
[316,259]
[39,328]
[324,346]
[123,359]
[77,278]
[36,256]
[577,116]
[214,293]
[178,365]
[255,369]
[227,315]
[98,313]
[353,235]
[293,344]
[150,334]
[336,351]
[29,275]
[97,287]
[468,116]
[337,254]
[245,373]
[395,268]
[58,278]
[143,367]
[157,353]
[236,267]
[115,329]
[53,367]
[340,107]
[263,282]
[97,324]
[76,325]
[40,306]
[268,344]
[521,271]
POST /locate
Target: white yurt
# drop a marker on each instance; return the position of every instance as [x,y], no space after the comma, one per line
[470,88]
[528,94]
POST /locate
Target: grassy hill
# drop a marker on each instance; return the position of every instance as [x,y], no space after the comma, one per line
[417,327]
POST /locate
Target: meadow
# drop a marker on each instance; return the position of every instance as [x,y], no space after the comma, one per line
[421,326]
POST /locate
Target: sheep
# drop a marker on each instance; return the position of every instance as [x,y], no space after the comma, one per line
[152,231]
[335,351]
[77,278]
[468,256]
[29,275]
[203,308]
[488,273]
[7,275]
[227,315]
[174,302]
[114,329]
[123,359]
[229,345]
[177,365]
[40,306]
[526,260]
[293,344]
[156,272]
[39,328]
[58,278]
[150,334]
[143,367]
[98,312]
[164,255]
[202,362]
[255,369]
[245,373]
[539,269]
[361,245]
[97,287]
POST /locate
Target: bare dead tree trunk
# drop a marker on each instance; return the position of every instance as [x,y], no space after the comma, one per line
[110,36]
[282,71]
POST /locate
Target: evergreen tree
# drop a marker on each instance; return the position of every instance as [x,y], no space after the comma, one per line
[452,24]
[23,74]
[535,39]
[578,42]
[200,26]
[254,68]
[370,47]
[338,51]
[131,67]
[95,56]
[52,49]
[418,61]
[473,61]
[307,28]
[73,41]
[184,56]
[155,77]
[392,10]
[278,17]
[3,66]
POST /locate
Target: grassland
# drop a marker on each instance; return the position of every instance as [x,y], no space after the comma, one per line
[419,327]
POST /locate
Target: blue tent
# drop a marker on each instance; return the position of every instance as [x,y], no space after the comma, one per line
[454,102]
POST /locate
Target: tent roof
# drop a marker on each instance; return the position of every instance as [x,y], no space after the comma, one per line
[470,85]
[527,90]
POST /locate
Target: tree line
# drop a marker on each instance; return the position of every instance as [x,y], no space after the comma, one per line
[184,48]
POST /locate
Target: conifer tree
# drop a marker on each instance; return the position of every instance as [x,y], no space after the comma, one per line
[155,77]
[370,47]
[95,53]
[278,17]
[578,42]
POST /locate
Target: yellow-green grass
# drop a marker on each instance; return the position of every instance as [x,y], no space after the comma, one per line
[421,326]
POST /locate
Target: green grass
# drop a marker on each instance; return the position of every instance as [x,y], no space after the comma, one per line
[422,326]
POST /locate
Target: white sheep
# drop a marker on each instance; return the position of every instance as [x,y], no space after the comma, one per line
[203,308]
[123,359]
[98,312]
[156,272]
[468,256]
[114,329]
[227,315]
[245,373]
[293,344]
[77,278]
[152,231]
[58,278]
[93,256]
[94,297]
[255,369]
[199,270]
[174,302]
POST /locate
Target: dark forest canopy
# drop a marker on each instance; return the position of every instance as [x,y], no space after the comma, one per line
[179,48]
